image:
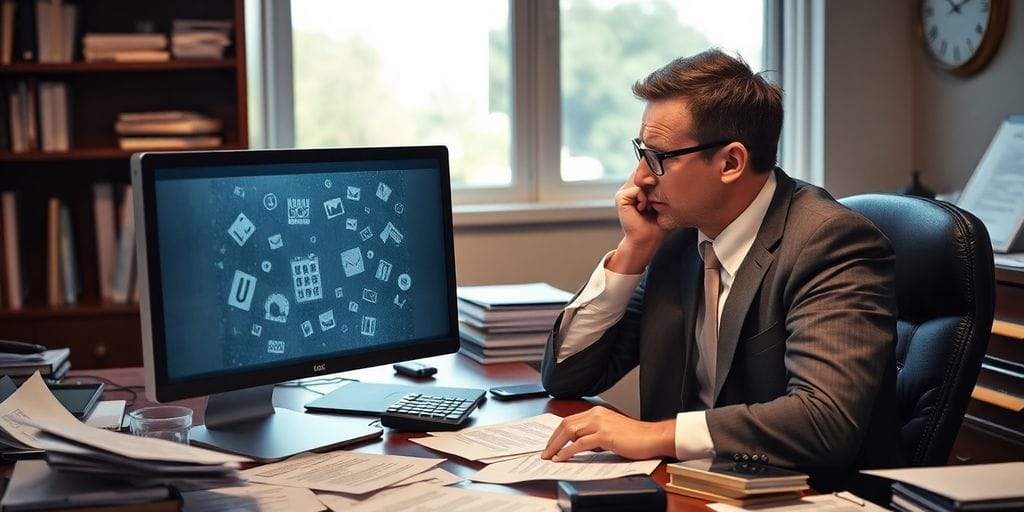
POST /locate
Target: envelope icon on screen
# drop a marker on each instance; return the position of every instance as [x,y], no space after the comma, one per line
[352,262]
[276,242]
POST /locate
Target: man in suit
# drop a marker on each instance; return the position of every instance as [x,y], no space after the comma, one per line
[761,312]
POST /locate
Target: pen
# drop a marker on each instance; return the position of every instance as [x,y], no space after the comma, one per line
[849,497]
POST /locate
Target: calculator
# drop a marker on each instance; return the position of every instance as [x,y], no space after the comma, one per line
[421,412]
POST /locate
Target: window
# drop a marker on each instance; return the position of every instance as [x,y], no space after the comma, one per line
[532,97]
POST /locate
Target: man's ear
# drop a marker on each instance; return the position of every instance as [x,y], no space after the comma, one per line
[734,159]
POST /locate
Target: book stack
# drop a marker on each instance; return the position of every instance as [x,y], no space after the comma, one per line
[960,487]
[125,47]
[52,365]
[742,484]
[200,39]
[507,323]
[166,130]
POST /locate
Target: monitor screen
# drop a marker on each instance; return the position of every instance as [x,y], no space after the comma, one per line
[263,266]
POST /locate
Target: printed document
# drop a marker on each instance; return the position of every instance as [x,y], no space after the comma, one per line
[425,496]
[499,440]
[341,471]
[33,401]
[265,498]
[583,466]
[436,476]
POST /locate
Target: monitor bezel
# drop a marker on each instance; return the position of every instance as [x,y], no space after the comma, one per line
[144,167]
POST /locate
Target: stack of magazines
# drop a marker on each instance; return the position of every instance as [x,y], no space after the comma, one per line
[996,486]
[742,484]
[507,323]
[51,364]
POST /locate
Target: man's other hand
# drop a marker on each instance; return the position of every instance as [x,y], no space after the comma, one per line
[601,429]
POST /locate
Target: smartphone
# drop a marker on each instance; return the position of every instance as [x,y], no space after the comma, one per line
[519,391]
[79,399]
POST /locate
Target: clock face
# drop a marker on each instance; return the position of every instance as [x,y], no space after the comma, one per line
[954,29]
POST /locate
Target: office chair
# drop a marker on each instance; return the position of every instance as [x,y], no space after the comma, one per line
[945,287]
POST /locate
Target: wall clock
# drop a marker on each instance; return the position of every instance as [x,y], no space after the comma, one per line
[961,36]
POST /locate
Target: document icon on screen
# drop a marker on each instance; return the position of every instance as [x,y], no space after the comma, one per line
[333,207]
[241,229]
[352,262]
[242,289]
[276,242]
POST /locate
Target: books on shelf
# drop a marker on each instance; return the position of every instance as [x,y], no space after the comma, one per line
[38,116]
[200,39]
[165,143]
[506,323]
[13,291]
[125,47]
[125,267]
[736,483]
[62,265]
[105,220]
[166,123]
[37,31]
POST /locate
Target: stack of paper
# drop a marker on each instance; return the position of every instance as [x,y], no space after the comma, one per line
[52,364]
[504,323]
[200,39]
[736,483]
[33,418]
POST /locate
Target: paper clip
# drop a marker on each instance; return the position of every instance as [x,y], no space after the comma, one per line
[849,497]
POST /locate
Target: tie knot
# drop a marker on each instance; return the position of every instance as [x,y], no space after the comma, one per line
[710,258]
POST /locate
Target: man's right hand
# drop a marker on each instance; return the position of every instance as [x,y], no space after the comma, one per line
[642,235]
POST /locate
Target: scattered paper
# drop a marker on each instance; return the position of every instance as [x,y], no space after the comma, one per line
[583,466]
[134,447]
[341,471]
[835,502]
[107,414]
[255,497]
[341,501]
[499,440]
[429,497]
[33,402]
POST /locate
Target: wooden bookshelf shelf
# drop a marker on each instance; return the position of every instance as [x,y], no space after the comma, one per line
[77,154]
[1008,329]
[73,200]
[30,68]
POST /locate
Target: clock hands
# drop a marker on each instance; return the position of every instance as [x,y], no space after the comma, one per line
[954,7]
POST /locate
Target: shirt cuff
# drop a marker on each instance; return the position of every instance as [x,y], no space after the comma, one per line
[693,437]
[606,290]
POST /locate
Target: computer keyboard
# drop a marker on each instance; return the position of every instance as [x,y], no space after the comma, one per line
[421,412]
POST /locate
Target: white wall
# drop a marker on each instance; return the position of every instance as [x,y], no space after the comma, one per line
[955,118]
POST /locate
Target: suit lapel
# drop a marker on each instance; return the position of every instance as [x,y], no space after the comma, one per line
[749,276]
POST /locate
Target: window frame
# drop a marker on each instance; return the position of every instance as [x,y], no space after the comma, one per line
[536,102]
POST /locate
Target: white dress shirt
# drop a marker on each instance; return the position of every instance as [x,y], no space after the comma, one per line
[603,302]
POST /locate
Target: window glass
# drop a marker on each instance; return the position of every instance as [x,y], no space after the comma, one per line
[607,45]
[407,72]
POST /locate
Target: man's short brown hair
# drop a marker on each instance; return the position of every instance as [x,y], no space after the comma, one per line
[727,101]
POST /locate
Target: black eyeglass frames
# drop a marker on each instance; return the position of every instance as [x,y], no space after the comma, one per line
[655,158]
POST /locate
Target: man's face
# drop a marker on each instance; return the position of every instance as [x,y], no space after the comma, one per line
[687,193]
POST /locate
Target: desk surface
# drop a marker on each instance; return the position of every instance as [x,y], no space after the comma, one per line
[453,371]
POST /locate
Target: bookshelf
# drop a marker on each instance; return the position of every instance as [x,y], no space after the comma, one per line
[102,333]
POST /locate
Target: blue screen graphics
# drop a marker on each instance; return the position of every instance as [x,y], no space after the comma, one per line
[269,264]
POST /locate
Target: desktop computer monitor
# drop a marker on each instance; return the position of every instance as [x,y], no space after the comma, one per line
[261,266]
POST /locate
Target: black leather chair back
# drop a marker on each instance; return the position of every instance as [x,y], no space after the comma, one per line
[945,288]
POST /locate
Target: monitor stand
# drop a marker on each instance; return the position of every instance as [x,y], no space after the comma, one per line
[247,423]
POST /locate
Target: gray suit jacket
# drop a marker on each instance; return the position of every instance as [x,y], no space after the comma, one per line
[806,358]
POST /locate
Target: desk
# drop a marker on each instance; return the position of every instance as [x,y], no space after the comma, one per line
[453,371]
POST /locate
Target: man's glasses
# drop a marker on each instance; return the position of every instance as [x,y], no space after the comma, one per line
[655,158]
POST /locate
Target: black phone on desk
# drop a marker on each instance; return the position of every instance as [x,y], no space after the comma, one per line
[78,399]
[518,391]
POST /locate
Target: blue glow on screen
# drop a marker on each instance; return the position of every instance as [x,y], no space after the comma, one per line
[264,265]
